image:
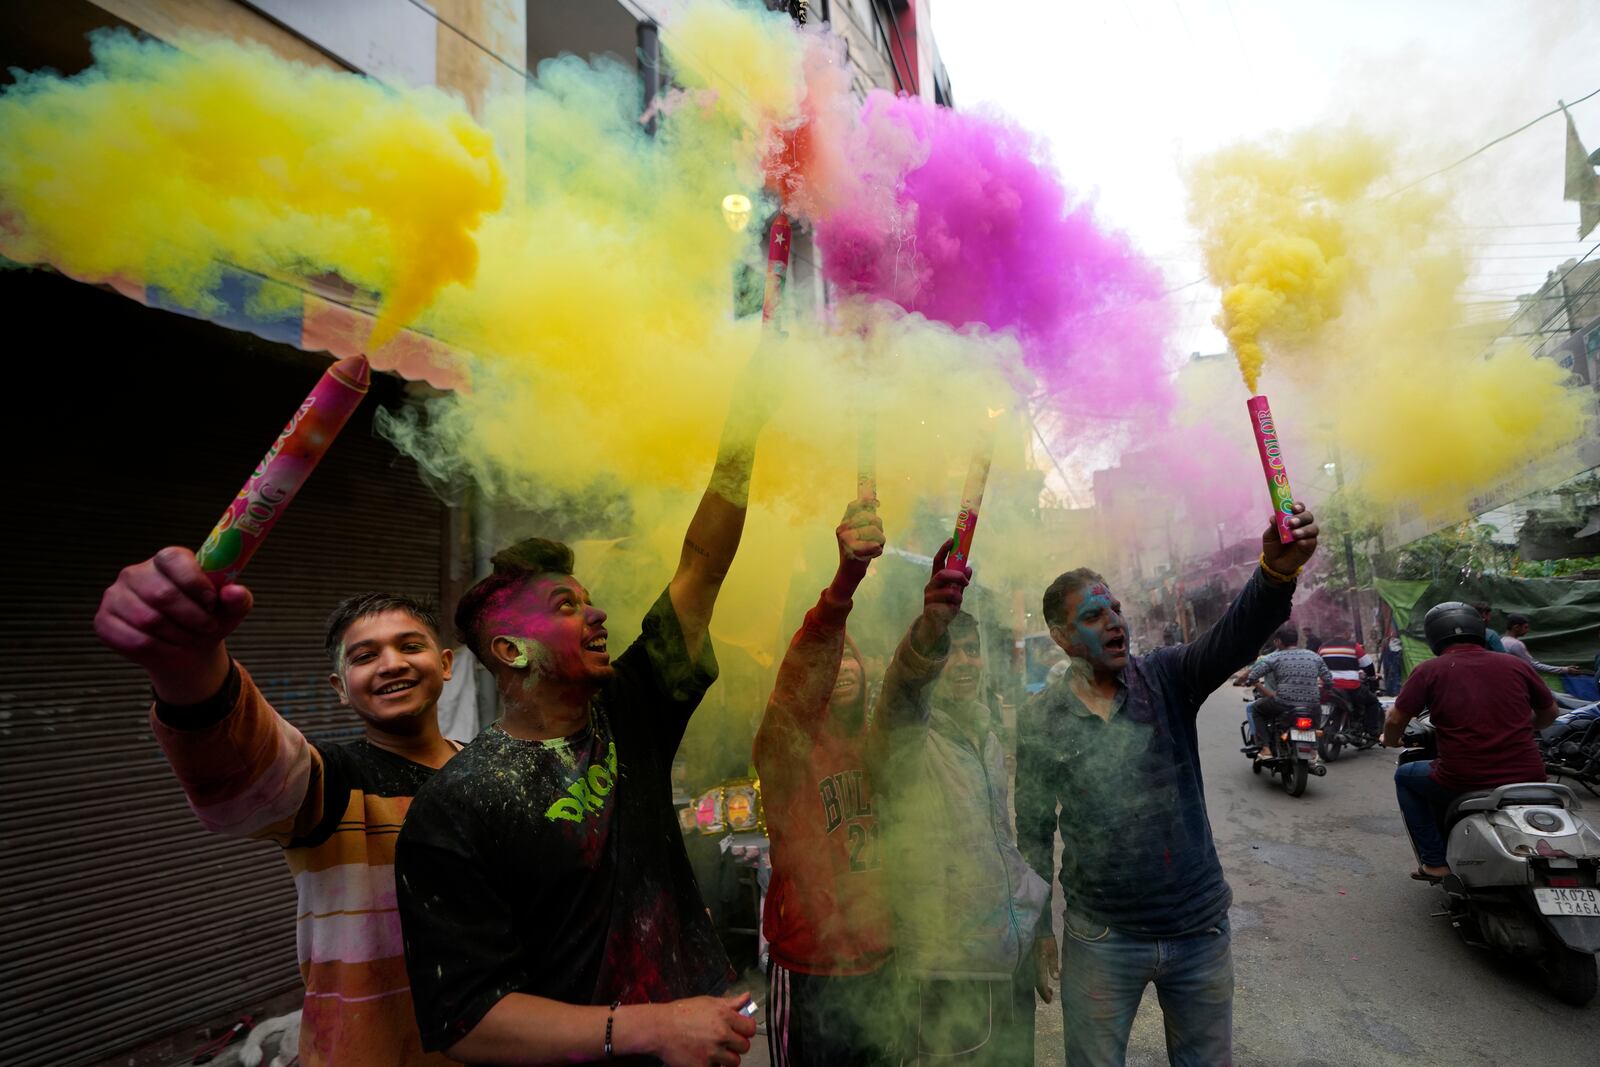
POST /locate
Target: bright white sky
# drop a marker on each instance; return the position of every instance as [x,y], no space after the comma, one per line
[1127,92]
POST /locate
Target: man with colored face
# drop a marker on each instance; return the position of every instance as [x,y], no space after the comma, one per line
[964,901]
[333,808]
[825,918]
[549,910]
[1110,757]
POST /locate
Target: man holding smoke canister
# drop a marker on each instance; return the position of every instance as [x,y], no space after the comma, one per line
[825,917]
[548,908]
[964,901]
[1114,750]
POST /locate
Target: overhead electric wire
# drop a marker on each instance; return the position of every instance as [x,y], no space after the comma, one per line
[464,35]
[1484,148]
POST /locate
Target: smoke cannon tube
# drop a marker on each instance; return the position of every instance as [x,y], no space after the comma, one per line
[867,459]
[280,474]
[1272,465]
[972,499]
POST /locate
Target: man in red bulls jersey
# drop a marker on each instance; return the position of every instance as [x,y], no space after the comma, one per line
[825,917]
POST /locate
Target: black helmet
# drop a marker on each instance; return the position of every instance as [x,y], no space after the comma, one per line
[1450,622]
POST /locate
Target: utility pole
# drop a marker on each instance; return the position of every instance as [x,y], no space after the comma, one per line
[1349,553]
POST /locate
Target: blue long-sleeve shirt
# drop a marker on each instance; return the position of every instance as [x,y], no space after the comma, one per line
[1137,848]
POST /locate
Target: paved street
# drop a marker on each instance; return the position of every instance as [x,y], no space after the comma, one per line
[1337,956]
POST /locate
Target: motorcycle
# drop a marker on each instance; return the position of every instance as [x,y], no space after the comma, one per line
[1290,749]
[1342,726]
[1571,747]
[1524,876]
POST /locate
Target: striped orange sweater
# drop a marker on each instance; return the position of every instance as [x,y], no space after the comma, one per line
[336,812]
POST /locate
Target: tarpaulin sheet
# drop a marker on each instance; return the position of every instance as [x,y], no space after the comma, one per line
[1402,596]
[1564,615]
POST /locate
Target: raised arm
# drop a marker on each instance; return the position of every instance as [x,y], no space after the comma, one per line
[713,536]
[1261,607]
[244,769]
[921,653]
[810,668]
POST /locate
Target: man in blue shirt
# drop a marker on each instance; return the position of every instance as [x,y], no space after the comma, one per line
[1113,748]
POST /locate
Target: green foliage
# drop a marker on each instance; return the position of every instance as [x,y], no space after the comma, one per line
[1555,568]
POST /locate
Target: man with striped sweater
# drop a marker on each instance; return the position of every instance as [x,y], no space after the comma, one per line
[1355,677]
[335,809]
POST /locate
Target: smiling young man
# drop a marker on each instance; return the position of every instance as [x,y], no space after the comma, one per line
[335,809]
[964,901]
[824,915]
[549,910]
[1114,749]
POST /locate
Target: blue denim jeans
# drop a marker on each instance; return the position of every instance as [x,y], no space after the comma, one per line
[1103,975]
[1423,802]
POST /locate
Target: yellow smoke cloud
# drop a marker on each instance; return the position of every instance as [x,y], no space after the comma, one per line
[750,58]
[1355,294]
[1274,225]
[160,164]
[594,307]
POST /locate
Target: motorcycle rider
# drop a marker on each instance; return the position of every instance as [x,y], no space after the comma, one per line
[1288,678]
[1484,708]
[1355,677]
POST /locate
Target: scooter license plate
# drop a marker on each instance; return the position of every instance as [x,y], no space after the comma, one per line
[1553,901]
[1302,735]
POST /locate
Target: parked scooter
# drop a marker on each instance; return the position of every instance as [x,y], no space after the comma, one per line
[1285,746]
[1525,873]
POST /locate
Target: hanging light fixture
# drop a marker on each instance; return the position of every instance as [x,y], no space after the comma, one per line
[736,211]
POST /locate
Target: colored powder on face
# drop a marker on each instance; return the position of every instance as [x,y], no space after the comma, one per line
[161,163]
[988,234]
[1358,297]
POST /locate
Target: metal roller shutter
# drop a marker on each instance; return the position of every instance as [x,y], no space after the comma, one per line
[123,920]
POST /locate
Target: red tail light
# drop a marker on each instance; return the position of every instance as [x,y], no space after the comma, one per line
[1302,723]
[1564,881]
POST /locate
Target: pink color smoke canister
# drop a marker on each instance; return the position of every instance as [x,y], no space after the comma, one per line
[1272,465]
[285,468]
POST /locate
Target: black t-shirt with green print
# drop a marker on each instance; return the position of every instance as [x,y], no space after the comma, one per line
[557,868]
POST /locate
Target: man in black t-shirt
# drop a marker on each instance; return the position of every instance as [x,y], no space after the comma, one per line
[543,881]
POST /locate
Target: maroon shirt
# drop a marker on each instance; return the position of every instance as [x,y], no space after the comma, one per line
[1482,707]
